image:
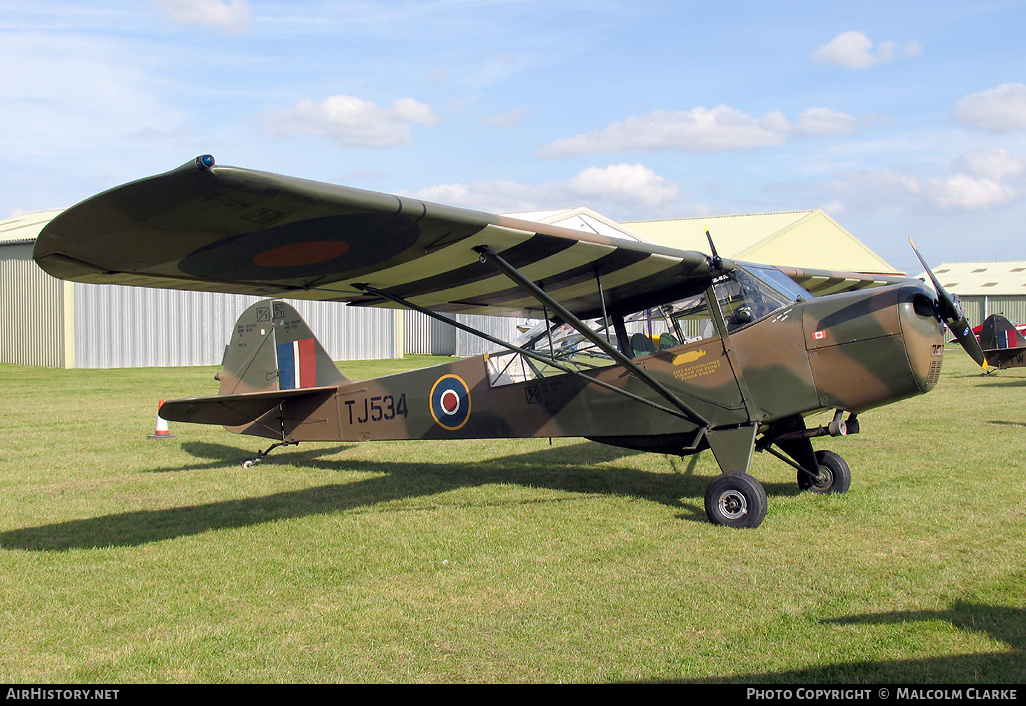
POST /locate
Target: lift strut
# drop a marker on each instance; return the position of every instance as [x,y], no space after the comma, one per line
[487,255]
[522,351]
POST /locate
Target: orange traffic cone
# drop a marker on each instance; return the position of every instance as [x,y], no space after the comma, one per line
[161,432]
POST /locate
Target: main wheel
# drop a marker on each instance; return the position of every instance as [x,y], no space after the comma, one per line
[735,500]
[834,475]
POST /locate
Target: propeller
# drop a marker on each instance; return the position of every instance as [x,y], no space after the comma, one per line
[952,313]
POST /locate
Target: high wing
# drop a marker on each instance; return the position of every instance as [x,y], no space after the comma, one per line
[821,283]
[225,229]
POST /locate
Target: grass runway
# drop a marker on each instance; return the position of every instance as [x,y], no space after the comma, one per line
[125,560]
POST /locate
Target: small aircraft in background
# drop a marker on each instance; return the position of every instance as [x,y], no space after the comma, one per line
[1003,342]
[745,352]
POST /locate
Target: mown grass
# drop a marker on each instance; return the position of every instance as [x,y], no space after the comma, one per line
[129,560]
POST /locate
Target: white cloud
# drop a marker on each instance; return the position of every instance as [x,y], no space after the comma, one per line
[502,196]
[232,17]
[993,163]
[980,180]
[699,131]
[625,184]
[983,179]
[854,50]
[963,192]
[351,121]
[631,186]
[704,131]
[1001,109]
[824,122]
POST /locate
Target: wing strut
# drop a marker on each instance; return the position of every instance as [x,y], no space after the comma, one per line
[527,353]
[487,255]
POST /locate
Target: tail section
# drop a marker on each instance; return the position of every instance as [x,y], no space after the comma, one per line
[1003,343]
[276,379]
[998,332]
[272,348]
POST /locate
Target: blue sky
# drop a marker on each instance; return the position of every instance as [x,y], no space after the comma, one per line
[897,118]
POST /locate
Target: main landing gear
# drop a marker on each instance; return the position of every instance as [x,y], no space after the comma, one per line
[736,499]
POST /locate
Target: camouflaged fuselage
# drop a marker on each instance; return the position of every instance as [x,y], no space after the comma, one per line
[850,351]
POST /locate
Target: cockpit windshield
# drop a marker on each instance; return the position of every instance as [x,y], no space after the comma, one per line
[778,281]
[745,297]
[745,294]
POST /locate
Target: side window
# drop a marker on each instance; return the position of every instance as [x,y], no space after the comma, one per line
[562,344]
[652,330]
[692,319]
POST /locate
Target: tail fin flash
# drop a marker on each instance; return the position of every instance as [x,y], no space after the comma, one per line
[998,332]
[272,348]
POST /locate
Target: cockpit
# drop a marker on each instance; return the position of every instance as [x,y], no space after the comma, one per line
[743,295]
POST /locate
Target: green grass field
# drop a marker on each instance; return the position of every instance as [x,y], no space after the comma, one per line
[126,560]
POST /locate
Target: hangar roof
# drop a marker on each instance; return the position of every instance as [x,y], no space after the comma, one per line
[982,278]
[25,228]
[810,239]
[579,219]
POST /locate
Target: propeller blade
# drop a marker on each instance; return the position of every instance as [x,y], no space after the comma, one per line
[950,310]
[963,333]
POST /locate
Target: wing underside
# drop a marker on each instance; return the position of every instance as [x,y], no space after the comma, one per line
[225,229]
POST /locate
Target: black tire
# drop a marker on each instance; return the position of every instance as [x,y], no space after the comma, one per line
[735,500]
[834,475]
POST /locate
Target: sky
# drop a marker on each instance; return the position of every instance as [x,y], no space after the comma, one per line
[899,119]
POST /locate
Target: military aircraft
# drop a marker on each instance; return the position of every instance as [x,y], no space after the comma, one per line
[744,352]
[1003,343]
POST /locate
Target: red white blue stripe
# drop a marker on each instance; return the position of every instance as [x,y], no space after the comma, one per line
[297,364]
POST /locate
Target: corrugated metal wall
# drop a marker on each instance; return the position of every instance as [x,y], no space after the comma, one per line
[503,328]
[979,307]
[425,335]
[51,323]
[32,311]
[126,327]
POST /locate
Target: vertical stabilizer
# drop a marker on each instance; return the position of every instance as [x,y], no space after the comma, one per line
[272,348]
[998,332]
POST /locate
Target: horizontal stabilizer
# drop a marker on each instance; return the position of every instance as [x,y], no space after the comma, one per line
[235,410]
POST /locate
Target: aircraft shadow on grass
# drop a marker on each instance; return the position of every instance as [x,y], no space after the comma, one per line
[547,468]
[1015,382]
[1000,623]
[1005,423]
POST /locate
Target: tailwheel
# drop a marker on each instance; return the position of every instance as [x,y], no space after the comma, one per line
[834,475]
[736,500]
[250,462]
